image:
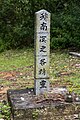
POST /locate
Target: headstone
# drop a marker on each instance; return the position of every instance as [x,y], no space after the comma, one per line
[25,105]
[42,51]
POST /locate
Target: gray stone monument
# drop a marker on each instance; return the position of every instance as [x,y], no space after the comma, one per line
[25,105]
[42,51]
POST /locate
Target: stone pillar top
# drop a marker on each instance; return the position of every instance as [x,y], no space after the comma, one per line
[43,10]
[42,23]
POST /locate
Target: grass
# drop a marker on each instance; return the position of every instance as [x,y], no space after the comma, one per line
[17,71]
[10,60]
[63,70]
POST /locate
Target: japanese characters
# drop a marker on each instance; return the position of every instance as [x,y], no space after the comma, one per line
[42,49]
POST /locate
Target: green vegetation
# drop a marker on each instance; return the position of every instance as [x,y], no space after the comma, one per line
[13,59]
[17,22]
[18,69]
[5,111]
[65,71]
[35,114]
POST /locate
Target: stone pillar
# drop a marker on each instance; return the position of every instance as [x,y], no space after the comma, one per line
[42,51]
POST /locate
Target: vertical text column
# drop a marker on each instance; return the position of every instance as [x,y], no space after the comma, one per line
[42,51]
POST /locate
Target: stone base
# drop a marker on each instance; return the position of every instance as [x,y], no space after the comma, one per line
[27,106]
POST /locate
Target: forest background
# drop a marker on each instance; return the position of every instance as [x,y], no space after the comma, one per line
[17,19]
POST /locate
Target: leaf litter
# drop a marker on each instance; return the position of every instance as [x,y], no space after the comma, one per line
[64,70]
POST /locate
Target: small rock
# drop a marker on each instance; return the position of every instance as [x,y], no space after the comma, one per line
[1,87]
[24,77]
[77,99]
[29,92]
[69,98]
[21,74]
[59,90]
[76,116]
[22,98]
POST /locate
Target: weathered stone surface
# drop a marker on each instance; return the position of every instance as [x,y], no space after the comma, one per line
[27,106]
[43,83]
[42,16]
[42,39]
[42,48]
[75,54]
[42,67]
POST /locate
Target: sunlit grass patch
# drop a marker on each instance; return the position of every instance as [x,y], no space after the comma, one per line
[64,69]
[11,60]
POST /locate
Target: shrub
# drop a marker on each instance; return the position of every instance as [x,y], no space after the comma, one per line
[17,22]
